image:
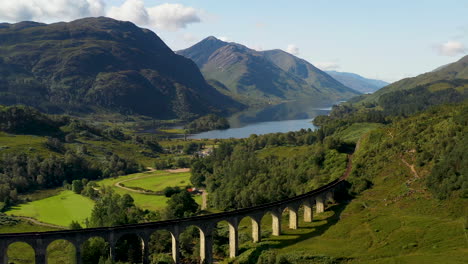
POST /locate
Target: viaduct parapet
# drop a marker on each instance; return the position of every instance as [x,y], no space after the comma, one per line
[39,241]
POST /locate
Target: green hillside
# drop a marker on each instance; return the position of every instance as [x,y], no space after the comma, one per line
[271,76]
[410,197]
[101,65]
[449,73]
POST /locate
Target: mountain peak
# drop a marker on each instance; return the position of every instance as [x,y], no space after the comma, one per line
[212,38]
[201,51]
[101,63]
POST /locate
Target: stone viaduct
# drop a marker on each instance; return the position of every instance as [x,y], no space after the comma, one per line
[39,241]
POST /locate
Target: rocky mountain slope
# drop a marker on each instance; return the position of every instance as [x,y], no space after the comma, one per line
[275,75]
[95,64]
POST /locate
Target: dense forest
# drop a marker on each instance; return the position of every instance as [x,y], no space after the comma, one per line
[431,131]
[206,123]
[237,177]
[63,156]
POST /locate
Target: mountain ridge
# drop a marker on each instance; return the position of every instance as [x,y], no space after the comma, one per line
[358,82]
[101,63]
[452,72]
[256,74]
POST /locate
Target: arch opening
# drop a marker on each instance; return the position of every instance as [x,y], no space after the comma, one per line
[221,240]
[94,250]
[20,252]
[160,247]
[129,249]
[266,223]
[61,251]
[190,244]
[249,230]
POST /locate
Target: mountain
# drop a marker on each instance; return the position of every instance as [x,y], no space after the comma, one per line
[96,64]
[308,72]
[253,76]
[451,76]
[357,82]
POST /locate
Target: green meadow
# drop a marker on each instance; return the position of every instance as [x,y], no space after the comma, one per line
[155,181]
[158,182]
[60,209]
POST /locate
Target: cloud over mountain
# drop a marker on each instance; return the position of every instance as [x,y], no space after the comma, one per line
[293,49]
[451,48]
[47,10]
[327,66]
[168,16]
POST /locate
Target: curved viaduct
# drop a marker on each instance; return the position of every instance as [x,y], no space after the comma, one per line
[39,241]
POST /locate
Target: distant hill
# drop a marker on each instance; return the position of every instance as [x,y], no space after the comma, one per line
[450,76]
[357,82]
[275,75]
[101,64]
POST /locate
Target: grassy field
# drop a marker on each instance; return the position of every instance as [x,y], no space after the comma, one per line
[21,143]
[282,151]
[356,130]
[147,201]
[157,182]
[62,207]
[59,209]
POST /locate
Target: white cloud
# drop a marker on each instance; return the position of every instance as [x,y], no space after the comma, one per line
[131,10]
[49,10]
[166,16]
[451,48]
[327,66]
[293,49]
[173,16]
[225,39]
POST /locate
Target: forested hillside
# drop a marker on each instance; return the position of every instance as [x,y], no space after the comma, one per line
[454,72]
[101,64]
[39,151]
[252,171]
[409,199]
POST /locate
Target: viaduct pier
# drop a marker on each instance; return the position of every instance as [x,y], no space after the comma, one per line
[39,241]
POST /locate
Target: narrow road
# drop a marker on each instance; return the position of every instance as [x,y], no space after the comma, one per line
[119,184]
[36,222]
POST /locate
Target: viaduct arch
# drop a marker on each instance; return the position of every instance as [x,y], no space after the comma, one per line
[39,241]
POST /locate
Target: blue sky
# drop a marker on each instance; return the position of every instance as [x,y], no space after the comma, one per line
[387,40]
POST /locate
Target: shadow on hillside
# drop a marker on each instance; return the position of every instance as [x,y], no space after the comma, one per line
[314,231]
[308,232]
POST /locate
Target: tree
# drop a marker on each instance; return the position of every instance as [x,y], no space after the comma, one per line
[181,205]
[75,225]
[77,186]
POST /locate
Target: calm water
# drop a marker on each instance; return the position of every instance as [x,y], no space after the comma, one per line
[258,128]
[292,116]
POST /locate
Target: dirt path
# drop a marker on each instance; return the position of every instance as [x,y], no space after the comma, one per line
[411,167]
[119,184]
[178,170]
[349,166]
[36,222]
